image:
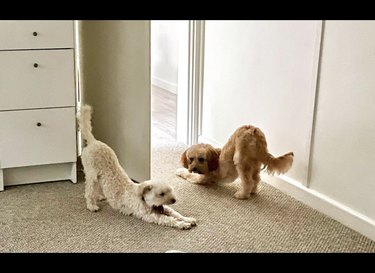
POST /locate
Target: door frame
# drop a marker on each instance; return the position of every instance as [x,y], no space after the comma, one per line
[190,82]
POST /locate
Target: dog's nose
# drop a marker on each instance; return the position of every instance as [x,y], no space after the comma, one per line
[173,200]
[194,170]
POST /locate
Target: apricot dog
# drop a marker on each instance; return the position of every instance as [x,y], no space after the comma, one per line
[242,156]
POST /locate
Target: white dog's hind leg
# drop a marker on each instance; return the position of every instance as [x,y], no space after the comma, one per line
[91,191]
[171,212]
[101,195]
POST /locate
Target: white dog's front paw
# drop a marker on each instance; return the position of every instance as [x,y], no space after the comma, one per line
[182,172]
[183,225]
[93,208]
[191,220]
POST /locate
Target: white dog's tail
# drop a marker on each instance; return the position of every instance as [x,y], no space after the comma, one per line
[84,121]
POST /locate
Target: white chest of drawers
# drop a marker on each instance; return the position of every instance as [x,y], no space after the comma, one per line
[38,139]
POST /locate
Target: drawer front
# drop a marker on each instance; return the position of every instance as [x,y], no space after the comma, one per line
[36,137]
[24,86]
[34,34]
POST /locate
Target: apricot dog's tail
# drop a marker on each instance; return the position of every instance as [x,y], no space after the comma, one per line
[278,165]
[84,121]
[273,165]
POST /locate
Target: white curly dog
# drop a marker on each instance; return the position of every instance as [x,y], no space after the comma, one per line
[106,179]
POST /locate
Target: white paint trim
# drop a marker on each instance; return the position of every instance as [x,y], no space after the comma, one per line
[190,82]
[315,88]
[183,75]
[164,84]
[73,173]
[324,204]
[1,179]
[200,74]
[206,140]
[195,78]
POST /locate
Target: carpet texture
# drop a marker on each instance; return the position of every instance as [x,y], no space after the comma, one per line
[52,217]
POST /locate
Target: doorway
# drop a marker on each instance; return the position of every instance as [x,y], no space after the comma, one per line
[166,47]
[177,54]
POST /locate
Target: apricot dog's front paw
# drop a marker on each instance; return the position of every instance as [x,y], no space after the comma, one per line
[241,195]
[182,172]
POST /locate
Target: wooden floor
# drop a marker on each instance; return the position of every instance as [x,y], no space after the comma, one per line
[163,116]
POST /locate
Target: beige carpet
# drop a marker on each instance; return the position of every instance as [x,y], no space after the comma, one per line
[51,217]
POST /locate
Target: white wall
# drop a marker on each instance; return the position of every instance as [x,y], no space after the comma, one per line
[164,53]
[261,73]
[265,73]
[343,154]
[115,78]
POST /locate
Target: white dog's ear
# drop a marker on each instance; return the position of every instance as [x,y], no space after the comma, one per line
[144,188]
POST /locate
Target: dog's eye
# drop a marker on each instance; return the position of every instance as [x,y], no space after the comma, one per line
[162,194]
[201,159]
[191,159]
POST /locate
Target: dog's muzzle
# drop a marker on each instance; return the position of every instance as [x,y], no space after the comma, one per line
[195,170]
[158,209]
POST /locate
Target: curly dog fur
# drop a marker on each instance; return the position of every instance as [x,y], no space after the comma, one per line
[106,179]
[242,156]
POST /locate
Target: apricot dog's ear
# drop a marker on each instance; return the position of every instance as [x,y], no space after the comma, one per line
[213,158]
[184,160]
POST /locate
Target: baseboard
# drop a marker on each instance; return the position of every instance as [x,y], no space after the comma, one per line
[206,140]
[324,204]
[169,86]
[39,173]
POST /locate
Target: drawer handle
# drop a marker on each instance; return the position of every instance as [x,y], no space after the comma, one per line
[36,65]
[35,33]
[38,124]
